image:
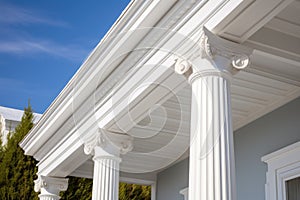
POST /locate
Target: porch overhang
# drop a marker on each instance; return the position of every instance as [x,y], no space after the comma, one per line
[128,85]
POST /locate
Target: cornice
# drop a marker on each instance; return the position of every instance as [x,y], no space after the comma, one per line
[127,19]
[125,22]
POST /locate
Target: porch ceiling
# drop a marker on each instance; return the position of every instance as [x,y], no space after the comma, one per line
[163,138]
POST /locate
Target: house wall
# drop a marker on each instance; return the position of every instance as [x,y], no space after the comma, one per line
[172,180]
[269,133]
[6,126]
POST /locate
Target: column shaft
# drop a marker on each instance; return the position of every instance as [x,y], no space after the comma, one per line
[106,178]
[212,170]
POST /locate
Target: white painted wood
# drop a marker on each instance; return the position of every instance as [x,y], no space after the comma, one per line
[287,21]
[277,40]
[106,175]
[256,14]
[106,149]
[185,193]
[283,165]
[50,187]
[212,165]
[283,26]
[212,171]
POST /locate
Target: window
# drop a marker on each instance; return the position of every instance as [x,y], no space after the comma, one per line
[293,189]
[283,175]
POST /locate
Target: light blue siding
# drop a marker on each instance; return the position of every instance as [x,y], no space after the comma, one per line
[263,136]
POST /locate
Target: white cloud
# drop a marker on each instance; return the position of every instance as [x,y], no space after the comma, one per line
[21,43]
[11,14]
[23,47]
[9,84]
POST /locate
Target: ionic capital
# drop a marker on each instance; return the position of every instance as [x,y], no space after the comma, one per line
[112,143]
[216,56]
[213,46]
[50,184]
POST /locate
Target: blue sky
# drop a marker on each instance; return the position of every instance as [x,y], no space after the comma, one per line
[43,43]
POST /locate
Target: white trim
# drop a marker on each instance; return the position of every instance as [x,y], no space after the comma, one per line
[185,193]
[283,165]
[141,182]
[286,174]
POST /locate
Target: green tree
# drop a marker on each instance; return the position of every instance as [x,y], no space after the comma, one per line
[134,192]
[18,171]
[81,189]
[78,189]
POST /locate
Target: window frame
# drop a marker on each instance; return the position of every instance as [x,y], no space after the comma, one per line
[283,165]
[185,193]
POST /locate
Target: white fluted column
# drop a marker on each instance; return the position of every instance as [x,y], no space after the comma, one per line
[50,187]
[212,170]
[106,175]
[106,149]
[212,165]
